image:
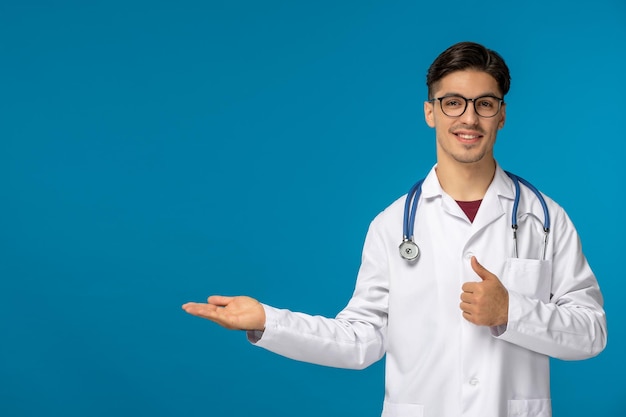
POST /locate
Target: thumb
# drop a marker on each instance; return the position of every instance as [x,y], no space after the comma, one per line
[219,300]
[480,270]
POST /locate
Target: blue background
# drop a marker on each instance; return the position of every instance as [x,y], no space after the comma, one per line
[154,153]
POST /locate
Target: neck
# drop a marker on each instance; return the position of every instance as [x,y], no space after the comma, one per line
[466,182]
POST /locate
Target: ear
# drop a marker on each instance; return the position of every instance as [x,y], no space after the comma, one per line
[429,113]
[502,116]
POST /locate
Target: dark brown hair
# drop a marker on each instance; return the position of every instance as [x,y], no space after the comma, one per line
[468,55]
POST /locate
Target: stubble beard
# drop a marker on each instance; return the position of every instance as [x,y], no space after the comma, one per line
[467,156]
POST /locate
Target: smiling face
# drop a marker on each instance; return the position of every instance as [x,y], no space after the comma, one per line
[469,138]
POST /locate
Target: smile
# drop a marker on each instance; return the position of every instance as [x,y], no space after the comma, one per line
[468,137]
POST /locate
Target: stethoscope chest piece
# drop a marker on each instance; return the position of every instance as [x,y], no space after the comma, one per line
[409,250]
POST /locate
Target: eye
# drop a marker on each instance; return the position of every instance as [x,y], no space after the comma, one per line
[452,102]
[486,103]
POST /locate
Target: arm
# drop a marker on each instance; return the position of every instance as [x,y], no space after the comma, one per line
[354,339]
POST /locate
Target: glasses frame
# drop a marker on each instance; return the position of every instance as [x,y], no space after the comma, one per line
[467,100]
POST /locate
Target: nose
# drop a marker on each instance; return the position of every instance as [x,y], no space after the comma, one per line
[469,116]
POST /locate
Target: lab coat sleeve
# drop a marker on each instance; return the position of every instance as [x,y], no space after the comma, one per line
[354,339]
[571,325]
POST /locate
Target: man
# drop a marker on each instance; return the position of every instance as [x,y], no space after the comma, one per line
[468,327]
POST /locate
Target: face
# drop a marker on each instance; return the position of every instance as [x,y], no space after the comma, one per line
[469,138]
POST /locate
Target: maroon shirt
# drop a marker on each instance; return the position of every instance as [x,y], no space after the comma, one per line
[470,208]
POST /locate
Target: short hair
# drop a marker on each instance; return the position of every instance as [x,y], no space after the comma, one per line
[465,56]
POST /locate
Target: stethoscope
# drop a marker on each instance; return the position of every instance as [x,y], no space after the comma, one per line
[409,249]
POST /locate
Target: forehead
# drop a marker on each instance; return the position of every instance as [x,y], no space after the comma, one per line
[468,83]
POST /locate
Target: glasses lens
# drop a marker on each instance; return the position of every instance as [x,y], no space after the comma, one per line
[487,106]
[453,106]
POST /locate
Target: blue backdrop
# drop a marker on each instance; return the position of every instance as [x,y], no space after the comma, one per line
[154,153]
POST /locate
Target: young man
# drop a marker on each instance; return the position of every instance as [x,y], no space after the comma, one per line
[469,325]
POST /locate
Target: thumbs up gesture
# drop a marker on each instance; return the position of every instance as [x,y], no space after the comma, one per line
[484,303]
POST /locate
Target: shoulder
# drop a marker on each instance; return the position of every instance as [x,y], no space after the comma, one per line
[392,214]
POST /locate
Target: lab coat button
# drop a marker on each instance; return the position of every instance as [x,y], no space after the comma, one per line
[469,255]
[474,381]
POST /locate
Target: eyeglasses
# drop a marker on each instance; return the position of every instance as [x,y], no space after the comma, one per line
[455,106]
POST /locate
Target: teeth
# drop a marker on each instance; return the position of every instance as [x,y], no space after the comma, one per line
[467,136]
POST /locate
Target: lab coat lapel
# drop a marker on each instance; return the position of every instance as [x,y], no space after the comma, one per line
[431,190]
[491,207]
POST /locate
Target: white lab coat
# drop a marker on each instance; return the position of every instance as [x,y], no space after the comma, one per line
[437,363]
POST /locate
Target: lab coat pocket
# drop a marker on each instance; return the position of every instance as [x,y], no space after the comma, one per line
[529,277]
[402,410]
[530,408]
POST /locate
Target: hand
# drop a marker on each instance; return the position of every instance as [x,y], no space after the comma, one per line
[235,313]
[485,303]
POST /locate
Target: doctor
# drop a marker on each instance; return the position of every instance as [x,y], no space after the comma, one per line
[469,326]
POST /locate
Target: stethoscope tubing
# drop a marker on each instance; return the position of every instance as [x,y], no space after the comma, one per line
[410,212]
[546,214]
[410,206]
